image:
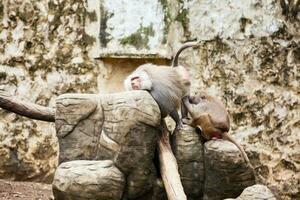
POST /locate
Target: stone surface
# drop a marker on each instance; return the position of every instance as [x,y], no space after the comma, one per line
[121,127]
[140,181]
[233,19]
[78,121]
[188,150]
[131,120]
[256,192]
[28,149]
[226,173]
[95,180]
[157,193]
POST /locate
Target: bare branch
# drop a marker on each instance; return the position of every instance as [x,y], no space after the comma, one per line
[31,110]
[169,167]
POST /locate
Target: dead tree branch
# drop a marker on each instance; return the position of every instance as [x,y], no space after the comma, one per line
[169,167]
[26,109]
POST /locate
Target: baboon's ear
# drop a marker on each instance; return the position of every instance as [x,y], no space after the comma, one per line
[199,129]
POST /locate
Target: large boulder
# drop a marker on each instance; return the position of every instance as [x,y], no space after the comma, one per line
[123,128]
[92,180]
[226,173]
[212,170]
[120,127]
[257,192]
[188,150]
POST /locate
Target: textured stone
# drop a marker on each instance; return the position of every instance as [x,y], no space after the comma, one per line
[188,150]
[131,119]
[95,180]
[157,193]
[33,45]
[233,18]
[226,173]
[28,149]
[257,192]
[121,127]
[78,121]
[140,181]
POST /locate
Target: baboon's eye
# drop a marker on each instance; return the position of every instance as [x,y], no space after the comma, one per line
[134,78]
[203,97]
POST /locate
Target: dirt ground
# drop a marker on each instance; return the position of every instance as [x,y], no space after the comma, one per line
[12,190]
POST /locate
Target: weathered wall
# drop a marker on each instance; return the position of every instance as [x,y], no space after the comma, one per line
[251,59]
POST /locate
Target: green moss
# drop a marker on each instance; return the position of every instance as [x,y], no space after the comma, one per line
[92,16]
[63,55]
[9,38]
[2,47]
[1,10]
[140,38]
[87,40]
[27,13]
[54,24]
[282,33]
[14,61]
[297,55]
[243,23]
[41,64]
[167,18]
[52,5]
[56,21]
[182,17]
[3,75]
[105,16]
[220,45]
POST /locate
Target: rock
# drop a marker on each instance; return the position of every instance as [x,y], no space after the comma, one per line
[95,180]
[257,192]
[188,150]
[157,193]
[107,127]
[121,127]
[226,173]
[28,150]
[140,181]
[78,123]
[130,120]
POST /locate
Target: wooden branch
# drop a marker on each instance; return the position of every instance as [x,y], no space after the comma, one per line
[169,167]
[26,109]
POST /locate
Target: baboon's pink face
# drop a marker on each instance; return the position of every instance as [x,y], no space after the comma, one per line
[136,83]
